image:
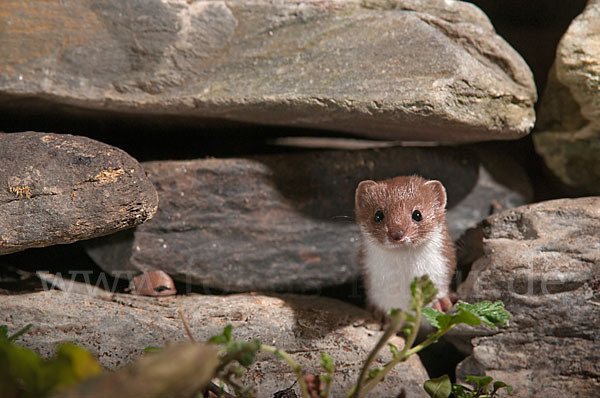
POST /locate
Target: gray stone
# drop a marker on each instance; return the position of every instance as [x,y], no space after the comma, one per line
[63,188]
[285,222]
[406,69]
[569,121]
[543,262]
[118,329]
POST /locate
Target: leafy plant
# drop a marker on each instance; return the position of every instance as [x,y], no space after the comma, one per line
[327,379]
[24,373]
[423,292]
[441,387]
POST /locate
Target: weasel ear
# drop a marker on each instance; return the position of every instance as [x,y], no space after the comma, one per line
[439,191]
[362,188]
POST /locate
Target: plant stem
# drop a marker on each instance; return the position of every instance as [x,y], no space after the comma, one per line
[327,389]
[295,366]
[401,357]
[185,325]
[396,323]
[429,340]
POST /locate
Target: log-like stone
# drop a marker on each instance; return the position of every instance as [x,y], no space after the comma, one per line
[58,189]
[409,70]
[543,262]
[285,222]
[569,124]
[118,329]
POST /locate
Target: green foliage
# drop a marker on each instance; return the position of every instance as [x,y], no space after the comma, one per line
[25,373]
[4,333]
[481,388]
[235,357]
[492,314]
[423,292]
[327,379]
[440,387]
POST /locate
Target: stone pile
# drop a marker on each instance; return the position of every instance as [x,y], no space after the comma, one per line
[432,77]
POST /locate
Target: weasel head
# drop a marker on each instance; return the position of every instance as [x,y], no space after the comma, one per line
[400,212]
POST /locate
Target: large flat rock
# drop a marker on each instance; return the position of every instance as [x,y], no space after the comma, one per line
[404,70]
[543,261]
[117,328]
[286,222]
[62,188]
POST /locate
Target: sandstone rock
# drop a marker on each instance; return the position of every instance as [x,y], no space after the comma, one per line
[63,188]
[283,222]
[118,329]
[569,136]
[543,262]
[411,70]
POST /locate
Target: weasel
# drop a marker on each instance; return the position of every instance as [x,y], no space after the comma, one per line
[403,235]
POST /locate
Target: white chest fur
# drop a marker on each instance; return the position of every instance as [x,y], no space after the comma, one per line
[390,271]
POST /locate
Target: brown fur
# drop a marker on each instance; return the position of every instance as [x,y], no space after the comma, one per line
[398,198]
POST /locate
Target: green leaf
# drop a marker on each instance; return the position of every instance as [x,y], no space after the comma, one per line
[374,372]
[423,292]
[326,378]
[465,317]
[409,323]
[250,352]
[394,312]
[459,390]
[440,387]
[227,332]
[80,364]
[491,314]
[500,384]
[20,366]
[218,339]
[20,333]
[3,333]
[481,382]
[327,362]
[223,338]
[395,351]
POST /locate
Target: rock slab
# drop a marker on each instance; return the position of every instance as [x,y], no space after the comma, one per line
[543,262]
[569,117]
[282,222]
[409,70]
[117,330]
[61,188]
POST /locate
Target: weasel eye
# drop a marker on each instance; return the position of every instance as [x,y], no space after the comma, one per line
[417,216]
[378,216]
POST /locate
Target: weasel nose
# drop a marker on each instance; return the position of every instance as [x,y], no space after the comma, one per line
[396,235]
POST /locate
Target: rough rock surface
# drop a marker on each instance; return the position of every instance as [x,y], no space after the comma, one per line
[117,330]
[283,222]
[63,188]
[569,122]
[543,262]
[411,70]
